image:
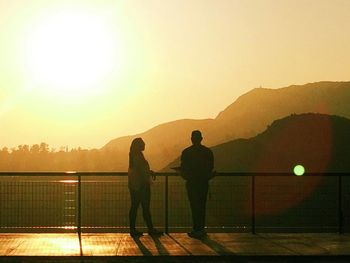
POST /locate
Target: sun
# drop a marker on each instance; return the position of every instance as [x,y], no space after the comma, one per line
[71,53]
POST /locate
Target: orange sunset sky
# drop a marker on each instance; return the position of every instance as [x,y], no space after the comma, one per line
[80,73]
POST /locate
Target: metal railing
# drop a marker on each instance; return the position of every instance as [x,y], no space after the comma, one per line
[237,202]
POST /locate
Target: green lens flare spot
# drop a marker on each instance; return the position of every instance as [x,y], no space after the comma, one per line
[299,170]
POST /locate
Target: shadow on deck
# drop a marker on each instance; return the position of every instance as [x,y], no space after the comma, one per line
[176,247]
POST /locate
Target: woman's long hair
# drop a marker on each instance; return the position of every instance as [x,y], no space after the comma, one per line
[135,149]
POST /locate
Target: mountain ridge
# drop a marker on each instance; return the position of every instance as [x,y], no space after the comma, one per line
[247,116]
[320,142]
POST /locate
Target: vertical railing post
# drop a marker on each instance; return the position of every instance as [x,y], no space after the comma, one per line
[253,204]
[79,215]
[340,208]
[166,205]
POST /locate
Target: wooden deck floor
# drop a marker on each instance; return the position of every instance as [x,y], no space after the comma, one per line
[175,244]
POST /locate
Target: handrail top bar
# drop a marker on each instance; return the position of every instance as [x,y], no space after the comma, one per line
[71,173]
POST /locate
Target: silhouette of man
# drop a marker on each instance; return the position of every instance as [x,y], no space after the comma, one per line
[197,162]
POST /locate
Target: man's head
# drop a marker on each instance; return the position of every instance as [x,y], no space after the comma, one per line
[196,137]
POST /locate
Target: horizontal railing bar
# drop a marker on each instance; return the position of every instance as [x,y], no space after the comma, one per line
[163,174]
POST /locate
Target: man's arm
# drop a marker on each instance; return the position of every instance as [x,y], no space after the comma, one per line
[211,164]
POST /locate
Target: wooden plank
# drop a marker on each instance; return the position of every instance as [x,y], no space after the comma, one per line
[313,244]
[39,245]
[148,245]
[245,244]
[193,246]
[101,244]
[176,244]
[10,246]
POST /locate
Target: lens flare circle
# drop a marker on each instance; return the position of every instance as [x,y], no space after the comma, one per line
[299,170]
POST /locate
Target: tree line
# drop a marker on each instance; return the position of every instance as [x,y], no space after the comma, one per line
[40,157]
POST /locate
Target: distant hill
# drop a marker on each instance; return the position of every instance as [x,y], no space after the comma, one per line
[163,142]
[249,115]
[321,143]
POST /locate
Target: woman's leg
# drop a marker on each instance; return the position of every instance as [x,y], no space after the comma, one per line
[135,203]
[146,206]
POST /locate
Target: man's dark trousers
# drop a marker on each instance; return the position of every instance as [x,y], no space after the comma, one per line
[197,194]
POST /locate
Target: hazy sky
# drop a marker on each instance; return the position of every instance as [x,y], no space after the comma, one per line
[84,72]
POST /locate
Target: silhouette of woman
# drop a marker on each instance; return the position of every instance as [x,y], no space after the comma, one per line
[139,179]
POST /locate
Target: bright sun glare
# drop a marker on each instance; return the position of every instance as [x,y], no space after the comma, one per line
[71,53]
